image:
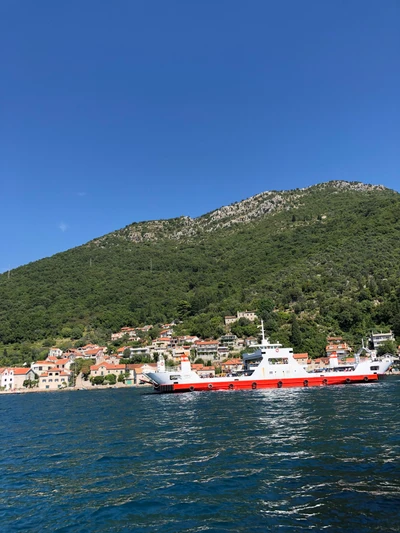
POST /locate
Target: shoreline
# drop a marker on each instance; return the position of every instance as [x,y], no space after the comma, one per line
[73,389]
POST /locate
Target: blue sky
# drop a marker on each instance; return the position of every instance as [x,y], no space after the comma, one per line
[116,112]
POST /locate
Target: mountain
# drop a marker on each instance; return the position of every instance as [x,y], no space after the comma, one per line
[328,255]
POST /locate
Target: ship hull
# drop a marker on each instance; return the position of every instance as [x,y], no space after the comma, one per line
[297,382]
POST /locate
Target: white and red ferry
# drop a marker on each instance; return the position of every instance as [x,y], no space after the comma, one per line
[270,366]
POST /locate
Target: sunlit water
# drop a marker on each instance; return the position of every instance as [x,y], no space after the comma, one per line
[126,460]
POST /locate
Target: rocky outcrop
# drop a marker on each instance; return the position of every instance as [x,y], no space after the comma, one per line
[243,212]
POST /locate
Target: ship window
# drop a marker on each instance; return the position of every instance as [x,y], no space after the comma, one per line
[174,377]
[374,367]
[278,361]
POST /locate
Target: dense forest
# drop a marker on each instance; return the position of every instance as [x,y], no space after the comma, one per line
[320,261]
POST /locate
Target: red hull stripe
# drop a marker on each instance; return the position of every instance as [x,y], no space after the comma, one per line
[270,383]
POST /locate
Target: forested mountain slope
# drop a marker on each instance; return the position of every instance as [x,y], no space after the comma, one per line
[328,254]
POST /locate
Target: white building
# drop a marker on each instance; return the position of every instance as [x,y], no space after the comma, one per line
[379,338]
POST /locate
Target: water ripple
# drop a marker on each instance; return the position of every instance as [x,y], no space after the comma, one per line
[124,460]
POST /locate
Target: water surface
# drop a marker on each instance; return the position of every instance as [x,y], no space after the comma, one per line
[276,460]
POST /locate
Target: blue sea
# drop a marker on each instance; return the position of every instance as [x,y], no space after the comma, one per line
[292,460]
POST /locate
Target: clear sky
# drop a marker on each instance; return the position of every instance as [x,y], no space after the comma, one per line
[119,111]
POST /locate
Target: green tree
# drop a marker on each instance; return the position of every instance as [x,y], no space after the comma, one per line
[97,380]
[387,347]
[111,379]
[295,335]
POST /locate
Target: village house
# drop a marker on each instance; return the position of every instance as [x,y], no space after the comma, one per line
[139,350]
[136,371]
[53,379]
[7,378]
[186,339]
[377,339]
[71,354]
[166,333]
[161,342]
[22,374]
[228,340]
[93,353]
[207,350]
[222,352]
[250,315]
[113,359]
[336,344]
[230,319]
[104,369]
[232,365]
[130,332]
[55,352]
[251,341]
[204,371]
[302,358]
[145,329]
[42,366]
[64,364]
[318,364]
[178,351]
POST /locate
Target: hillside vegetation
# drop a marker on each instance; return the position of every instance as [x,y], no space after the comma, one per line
[326,258]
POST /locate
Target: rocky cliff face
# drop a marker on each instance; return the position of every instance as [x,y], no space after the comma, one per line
[243,212]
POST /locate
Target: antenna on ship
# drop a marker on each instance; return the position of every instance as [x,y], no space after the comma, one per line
[263,339]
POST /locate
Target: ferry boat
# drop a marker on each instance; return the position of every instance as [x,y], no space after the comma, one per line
[270,366]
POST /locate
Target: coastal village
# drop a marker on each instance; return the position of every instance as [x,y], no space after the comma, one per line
[99,368]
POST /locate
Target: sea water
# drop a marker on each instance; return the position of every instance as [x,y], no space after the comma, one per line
[310,459]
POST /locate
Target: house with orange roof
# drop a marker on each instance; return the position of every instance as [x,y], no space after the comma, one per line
[320,363]
[161,342]
[93,353]
[336,344]
[207,350]
[103,369]
[54,379]
[63,363]
[113,359]
[130,332]
[302,358]
[22,374]
[230,365]
[178,351]
[136,371]
[204,371]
